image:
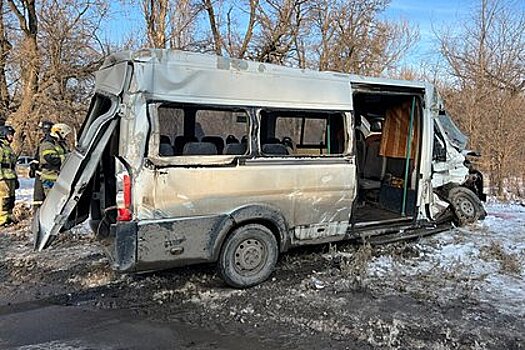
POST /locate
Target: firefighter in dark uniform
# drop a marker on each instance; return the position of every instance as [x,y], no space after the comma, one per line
[8,178]
[38,190]
[53,152]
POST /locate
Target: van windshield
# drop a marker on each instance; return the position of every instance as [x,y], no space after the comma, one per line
[455,136]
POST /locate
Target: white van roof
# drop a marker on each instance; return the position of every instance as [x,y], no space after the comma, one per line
[187,77]
[371,81]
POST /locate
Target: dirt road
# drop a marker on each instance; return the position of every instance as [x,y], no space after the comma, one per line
[462,289]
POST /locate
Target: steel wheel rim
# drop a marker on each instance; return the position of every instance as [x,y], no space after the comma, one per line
[249,256]
[466,207]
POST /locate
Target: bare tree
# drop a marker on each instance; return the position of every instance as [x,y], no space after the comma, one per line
[28,57]
[5,48]
[352,37]
[182,18]
[51,64]
[155,14]
[487,60]
[214,26]
[281,22]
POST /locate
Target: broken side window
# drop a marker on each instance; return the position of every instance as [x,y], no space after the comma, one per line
[197,130]
[302,133]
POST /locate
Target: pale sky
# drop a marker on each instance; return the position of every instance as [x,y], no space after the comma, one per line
[430,17]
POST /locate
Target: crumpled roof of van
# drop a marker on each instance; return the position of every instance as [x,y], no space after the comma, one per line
[189,77]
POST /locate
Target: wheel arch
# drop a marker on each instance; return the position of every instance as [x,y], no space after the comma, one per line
[262,214]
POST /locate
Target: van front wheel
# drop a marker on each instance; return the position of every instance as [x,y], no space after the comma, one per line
[248,256]
[467,206]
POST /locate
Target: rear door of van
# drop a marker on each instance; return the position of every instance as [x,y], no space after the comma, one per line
[67,203]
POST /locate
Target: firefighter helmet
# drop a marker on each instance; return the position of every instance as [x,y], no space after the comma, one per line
[60,130]
[6,130]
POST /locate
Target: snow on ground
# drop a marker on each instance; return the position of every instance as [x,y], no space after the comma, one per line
[485,262]
[25,192]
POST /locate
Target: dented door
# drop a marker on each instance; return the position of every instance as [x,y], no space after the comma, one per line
[60,211]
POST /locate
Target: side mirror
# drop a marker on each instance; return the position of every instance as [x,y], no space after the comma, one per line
[471,153]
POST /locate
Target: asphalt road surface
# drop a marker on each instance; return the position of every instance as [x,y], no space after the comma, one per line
[32,326]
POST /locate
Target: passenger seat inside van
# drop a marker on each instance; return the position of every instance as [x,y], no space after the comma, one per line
[235,149]
[199,148]
[275,149]
[216,140]
[165,148]
[180,142]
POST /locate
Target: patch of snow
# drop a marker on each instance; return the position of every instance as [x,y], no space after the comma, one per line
[469,261]
[25,192]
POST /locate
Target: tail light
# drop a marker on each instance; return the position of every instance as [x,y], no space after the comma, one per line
[123,197]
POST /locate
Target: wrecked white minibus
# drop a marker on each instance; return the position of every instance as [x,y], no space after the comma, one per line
[187,158]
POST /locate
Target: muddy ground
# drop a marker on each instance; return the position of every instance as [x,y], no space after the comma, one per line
[461,289]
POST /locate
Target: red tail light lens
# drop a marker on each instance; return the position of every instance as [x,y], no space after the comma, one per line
[124,200]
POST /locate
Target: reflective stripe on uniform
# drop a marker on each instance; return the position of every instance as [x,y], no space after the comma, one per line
[50,151]
[7,161]
[52,148]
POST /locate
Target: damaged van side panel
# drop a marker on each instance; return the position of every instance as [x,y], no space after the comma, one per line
[208,204]
[160,243]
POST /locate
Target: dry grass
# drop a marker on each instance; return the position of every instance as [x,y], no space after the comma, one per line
[22,211]
[510,263]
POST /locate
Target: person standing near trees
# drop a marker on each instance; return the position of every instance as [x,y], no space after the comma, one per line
[8,178]
[52,153]
[34,172]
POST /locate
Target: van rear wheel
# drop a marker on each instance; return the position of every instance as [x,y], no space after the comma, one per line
[248,256]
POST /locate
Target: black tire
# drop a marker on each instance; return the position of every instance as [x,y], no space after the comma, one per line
[248,256]
[466,205]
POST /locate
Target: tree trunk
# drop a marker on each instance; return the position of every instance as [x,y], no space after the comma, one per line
[217,39]
[29,64]
[5,48]
[155,13]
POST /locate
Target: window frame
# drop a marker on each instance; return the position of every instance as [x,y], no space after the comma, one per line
[347,121]
[153,143]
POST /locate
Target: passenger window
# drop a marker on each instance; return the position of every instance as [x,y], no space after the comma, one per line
[195,130]
[287,133]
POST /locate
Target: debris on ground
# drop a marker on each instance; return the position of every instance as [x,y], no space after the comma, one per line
[460,289]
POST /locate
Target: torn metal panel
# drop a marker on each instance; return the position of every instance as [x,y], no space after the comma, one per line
[313,232]
[55,214]
[164,243]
